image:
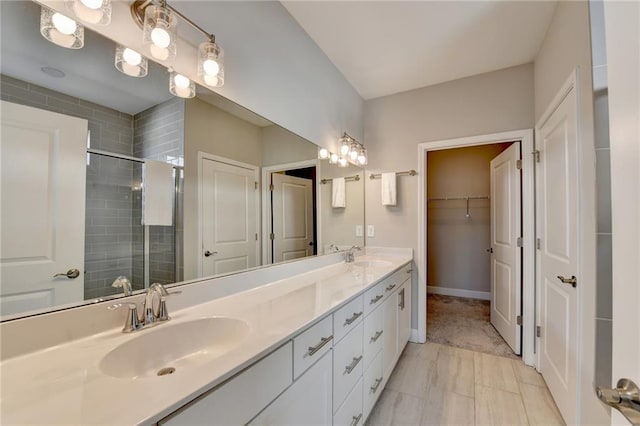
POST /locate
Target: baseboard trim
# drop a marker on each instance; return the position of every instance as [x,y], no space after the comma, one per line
[414,337]
[470,294]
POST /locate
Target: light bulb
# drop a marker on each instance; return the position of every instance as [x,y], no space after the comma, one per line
[211,80]
[344,149]
[211,67]
[353,155]
[92,4]
[63,24]
[323,153]
[342,162]
[131,57]
[333,158]
[362,159]
[181,81]
[160,37]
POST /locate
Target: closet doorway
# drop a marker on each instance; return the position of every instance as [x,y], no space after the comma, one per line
[474,277]
[461,262]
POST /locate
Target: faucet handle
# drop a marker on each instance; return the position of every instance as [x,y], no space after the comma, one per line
[132,322]
[163,314]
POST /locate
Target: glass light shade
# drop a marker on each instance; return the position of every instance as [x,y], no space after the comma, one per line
[323,153]
[345,147]
[353,152]
[130,62]
[210,64]
[160,32]
[342,162]
[333,158]
[60,29]
[181,86]
[362,157]
[91,11]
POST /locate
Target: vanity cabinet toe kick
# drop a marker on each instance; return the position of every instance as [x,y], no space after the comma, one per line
[332,372]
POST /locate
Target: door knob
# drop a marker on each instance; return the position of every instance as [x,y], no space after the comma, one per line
[625,398]
[490,250]
[573,281]
[210,253]
[311,243]
[71,274]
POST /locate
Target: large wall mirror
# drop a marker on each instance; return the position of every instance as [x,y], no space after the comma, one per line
[105,175]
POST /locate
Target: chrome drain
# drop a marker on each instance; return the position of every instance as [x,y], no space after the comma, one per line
[166,371]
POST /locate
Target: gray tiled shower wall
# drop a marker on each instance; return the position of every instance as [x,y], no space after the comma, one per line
[113,234]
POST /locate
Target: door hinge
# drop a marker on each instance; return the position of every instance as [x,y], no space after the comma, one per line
[255,185]
[538,331]
[256,236]
[271,187]
[519,164]
[538,243]
[272,236]
[519,242]
[536,156]
[519,320]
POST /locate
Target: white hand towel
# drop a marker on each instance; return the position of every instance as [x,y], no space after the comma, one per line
[158,193]
[389,189]
[338,193]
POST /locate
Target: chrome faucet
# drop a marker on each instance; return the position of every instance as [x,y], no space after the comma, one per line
[123,283]
[349,256]
[150,316]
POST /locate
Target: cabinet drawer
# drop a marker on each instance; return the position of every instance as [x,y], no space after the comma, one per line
[372,381]
[347,365]
[394,282]
[350,413]
[347,318]
[374,297]
[243,396]
[373,335]
[310,345]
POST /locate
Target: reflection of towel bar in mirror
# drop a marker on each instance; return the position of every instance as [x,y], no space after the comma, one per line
[355,178]
[469,197]
[407,173]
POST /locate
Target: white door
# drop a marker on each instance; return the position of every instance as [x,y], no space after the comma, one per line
[292,216]
[228,217]
[557,199]
[623,57]
[506,258]
[43,166]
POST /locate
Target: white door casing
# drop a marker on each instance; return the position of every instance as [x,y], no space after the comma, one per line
[506,257]
[228,242]
[292,215]
[557,228]
[43,217]
[622,32]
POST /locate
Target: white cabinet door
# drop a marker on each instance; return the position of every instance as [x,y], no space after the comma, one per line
[306,402]
[404,315]
[390,336]
[42,216]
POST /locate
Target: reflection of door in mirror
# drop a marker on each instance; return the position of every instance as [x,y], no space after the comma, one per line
[43,206]
[293,214]
[228,241]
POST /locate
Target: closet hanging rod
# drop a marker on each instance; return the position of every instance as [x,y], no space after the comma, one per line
[355,177]
[407,173]
[469,197]
[122,156]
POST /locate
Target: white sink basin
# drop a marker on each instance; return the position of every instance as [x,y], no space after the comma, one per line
[169,348]
[372,263]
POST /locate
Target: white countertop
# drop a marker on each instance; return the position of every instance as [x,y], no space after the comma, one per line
[64,384]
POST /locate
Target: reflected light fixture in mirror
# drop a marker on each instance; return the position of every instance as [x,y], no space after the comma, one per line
[345,147]
[333,158]
[342,162]
[130,62]
[323,153]
[210,63]
[60,29]
[159,31]
[91,11]
[181,86]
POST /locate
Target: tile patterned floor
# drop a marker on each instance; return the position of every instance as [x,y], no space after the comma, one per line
[434,384]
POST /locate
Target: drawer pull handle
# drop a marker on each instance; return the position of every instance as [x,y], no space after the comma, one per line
[349,368]
[375,387]
[356,419]
[354,317]
[376,299]
[390,287]
[376,336]
[323,341]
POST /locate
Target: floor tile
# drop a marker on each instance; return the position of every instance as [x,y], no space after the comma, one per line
[498,407]
[411,375]
[396,408]
[447,408]
[526,374]
[496,372]
[539,406]
[453,371]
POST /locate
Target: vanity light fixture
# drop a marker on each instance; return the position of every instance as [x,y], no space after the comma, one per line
[60,29]
[342,162]
[333,158]
[210,65]
[130,62]
[346,146]
[352,150]
[362,157]
[160,31]
[181,86]
[323,153]
[91,11]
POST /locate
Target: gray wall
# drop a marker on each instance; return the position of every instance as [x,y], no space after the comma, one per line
[394,125]
[109,198]
[456,245]
[279,146]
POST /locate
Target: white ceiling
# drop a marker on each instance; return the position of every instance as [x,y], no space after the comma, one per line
[386,47]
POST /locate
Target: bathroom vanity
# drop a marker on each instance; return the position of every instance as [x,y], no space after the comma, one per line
[313,348]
